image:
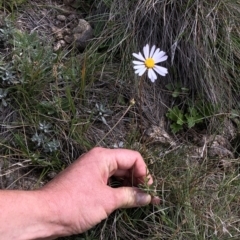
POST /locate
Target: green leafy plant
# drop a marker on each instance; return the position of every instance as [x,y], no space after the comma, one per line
[43,139]
[193,117]
[47,107]
[177,116]
[189,111]
[5,34]
[149,189]
[8,74]
[181,118]
[38,138]
[45,127]
[51,146]
[100,112]
[31,58]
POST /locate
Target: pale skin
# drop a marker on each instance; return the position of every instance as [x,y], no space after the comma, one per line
[76,199]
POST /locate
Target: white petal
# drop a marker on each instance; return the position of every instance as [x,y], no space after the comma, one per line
[160,54]
[161,70]
[139,66]
[160,57]
[140,72]
[146,51]
[158,60]
[152,51]
[151,74]
[139,56]
[157,51]
[154,75]
[137,62]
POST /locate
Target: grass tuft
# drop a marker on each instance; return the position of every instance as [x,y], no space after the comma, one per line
[55,106]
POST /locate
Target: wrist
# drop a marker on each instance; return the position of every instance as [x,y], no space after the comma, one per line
[49,215]
[28,215]
[40,216]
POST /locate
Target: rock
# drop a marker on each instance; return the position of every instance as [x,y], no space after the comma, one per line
[214,146]
[67,31]
[195,152]
[218,140]
[79,35]
[72,17]
[225,165]
[82,34]
[57,46]
[61,18]
[57,32]
[219,152]
[229,130]
[218,146]
[68,39]
[63,43]
[52,174]
[158,134]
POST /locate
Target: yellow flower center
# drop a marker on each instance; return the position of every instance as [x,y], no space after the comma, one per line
[149,63]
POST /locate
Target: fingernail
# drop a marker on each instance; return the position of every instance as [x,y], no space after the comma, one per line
[155,200]
[143,199]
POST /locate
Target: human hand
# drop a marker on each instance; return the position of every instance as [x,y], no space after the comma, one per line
[80,194]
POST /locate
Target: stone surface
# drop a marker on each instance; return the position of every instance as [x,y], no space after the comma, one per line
[82,34]
[61,18]
[79,36]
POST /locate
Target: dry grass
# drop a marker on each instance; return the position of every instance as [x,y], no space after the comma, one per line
[200,38]
[64,91]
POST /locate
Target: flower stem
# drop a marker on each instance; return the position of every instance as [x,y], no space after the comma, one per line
[132,102]
[141,103]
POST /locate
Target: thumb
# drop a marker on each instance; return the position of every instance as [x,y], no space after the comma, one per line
[128,197]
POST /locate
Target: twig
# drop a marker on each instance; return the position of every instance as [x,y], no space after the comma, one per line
[132,102]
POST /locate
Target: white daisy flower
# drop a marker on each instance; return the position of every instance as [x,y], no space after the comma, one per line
[148,61]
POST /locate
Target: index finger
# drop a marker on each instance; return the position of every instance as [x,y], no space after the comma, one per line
[124,159]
